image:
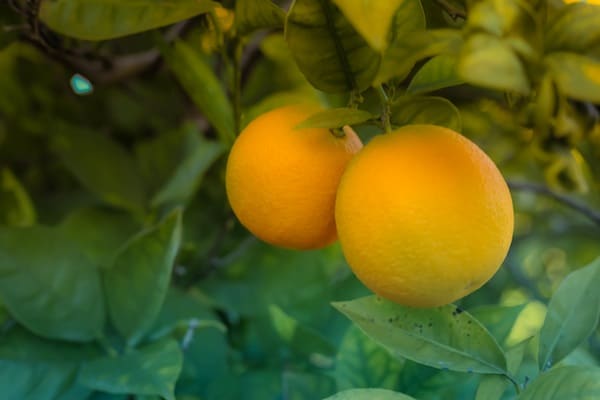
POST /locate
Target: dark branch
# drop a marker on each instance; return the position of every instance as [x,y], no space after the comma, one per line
[580,207]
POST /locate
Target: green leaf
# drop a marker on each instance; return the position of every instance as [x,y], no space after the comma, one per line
[491,387]
[307,386]
[108,19]
[576,76]
[251,15]
[137,282]
[185,180]
[98,233]
[16,208]
[410,47]
[573,383]
[369,394]
[199,80]
[183,309]
[151,370]
[299,338]
[102,166]
[425,110]
[575,28]
[328,50]
[489,62]
[572,316]
[435,74]
[371,18]
[48,285]
[499,320]
[442,337]
[336,118]
[362,363]
[20,345]
[40,381]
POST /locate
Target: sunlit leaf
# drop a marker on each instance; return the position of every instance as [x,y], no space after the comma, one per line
[489,62]
[576,76]
[573,314]
[328,50]
[425,110]
[108,19]
[435,74]
[442,337]
[575,28]
[410,47]
[251,15]
[371,18]
[81,85]
[336,118]
[573,383]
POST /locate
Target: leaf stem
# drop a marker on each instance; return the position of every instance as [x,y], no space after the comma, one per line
[385,105]
[514,382]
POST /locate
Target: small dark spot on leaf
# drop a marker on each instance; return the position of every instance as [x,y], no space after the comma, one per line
[459,310]
[430,324]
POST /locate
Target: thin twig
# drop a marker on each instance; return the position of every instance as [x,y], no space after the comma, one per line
[453,11]
[582,208]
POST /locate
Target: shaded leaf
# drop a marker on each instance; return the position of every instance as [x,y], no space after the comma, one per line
[362,363]
[425,110]
[251,15]
[307,386]
[573,314]
[442,337]
[435,74]
[108,19]
[328,50]
[199,80]
[151,370]
[369,394]
[102,166]
[573,383]
[576,76]
[48,285]
[489,62]
[39,381]
[16,208]
[499,320]
[137,282]
[410,47]
[299,338]
[336,118]
[98,233]
[372,18]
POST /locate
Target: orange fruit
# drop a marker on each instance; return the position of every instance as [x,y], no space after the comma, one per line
[281,181]
[424,217]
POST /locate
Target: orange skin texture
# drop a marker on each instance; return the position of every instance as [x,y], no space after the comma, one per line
[281,182]
[424,216]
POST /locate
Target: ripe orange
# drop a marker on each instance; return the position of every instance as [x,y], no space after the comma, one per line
[281,181]
[423,215]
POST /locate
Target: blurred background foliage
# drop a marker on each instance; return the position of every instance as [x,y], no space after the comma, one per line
[253,321]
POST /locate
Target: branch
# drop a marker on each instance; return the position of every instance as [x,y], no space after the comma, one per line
[574,204]
[102,69]
[453,11]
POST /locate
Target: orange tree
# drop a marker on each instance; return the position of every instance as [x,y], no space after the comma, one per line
[125,273]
